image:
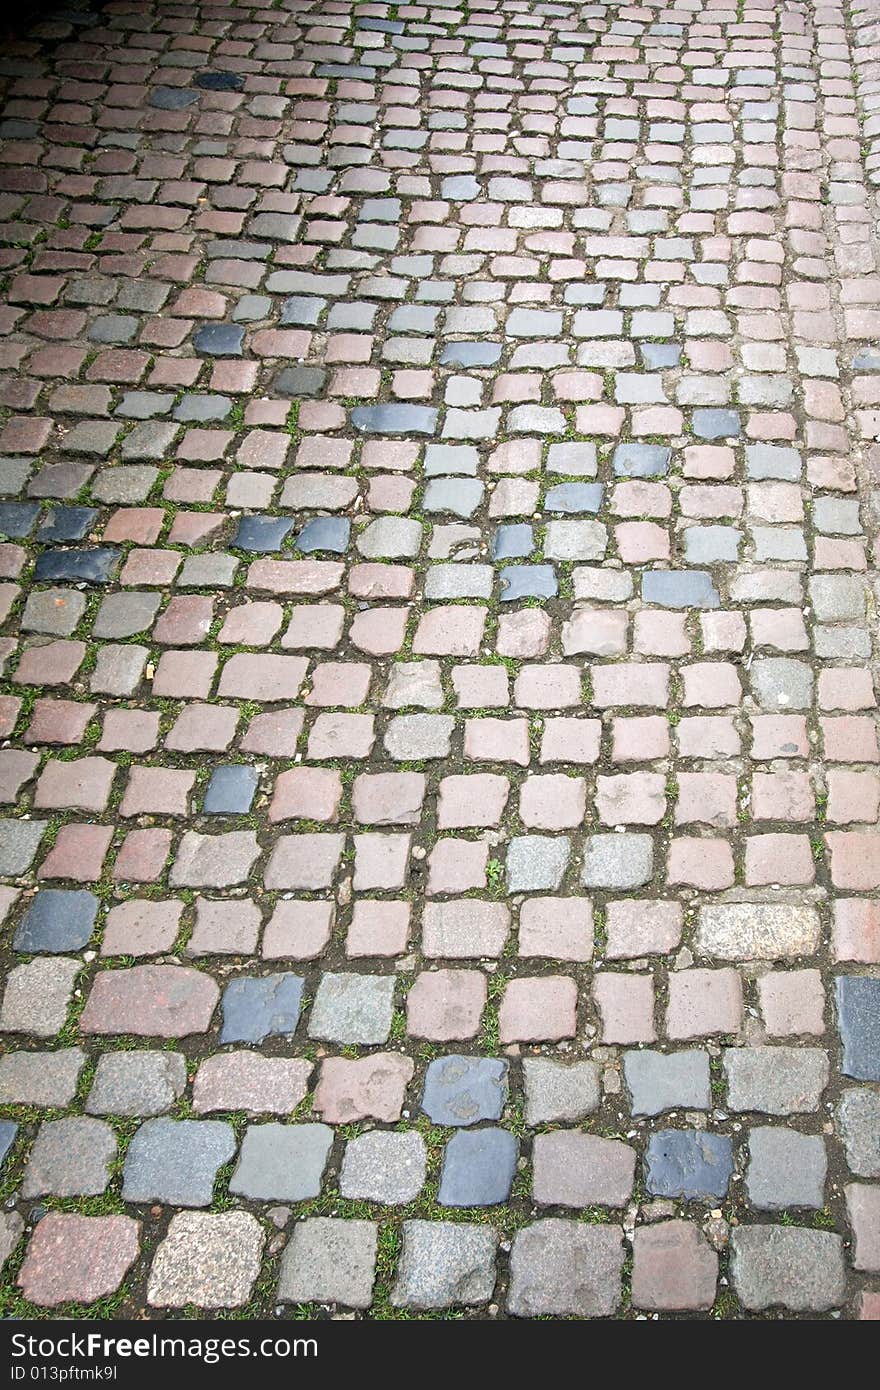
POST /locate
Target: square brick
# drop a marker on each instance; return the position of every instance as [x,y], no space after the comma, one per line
[850,738]
[224,928]
[340,684]
[380,861]
[342,736]
[636,798]
[307,793]
[203,728]
[78,853]
[477,799]
[856,933]
[450,631]
[304,861]
[852,796]
[782,859]
[711,685]
[83,784]
[548,687]
[556,928]
[626,1007]
[779,736]
[59,721]
[567,740]
[846,688]
[656,633]
[552,801]
[538,1009]
[708,736]
[855,859]
[497,741]
[140,927]
[142,856]
[782,796]
[706,797]
[276,733]
[298,930]
[704,1002]
[157,791]
[701,862]
[456,866]
[481,687]
[50,663]
[388,798]
[644,683]
[640,739]
[184,675]
[314,625]
[129,730]
[378,928]
[642,928]
[446,1005]
[792,1002]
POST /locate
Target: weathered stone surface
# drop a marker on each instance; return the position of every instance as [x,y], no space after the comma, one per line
[214,861]
[18,845]
[788,1267]
[211,1260]
[11,1229]
[164,1001]
[136,1083]
[580,1170]
[757,931]
[680,589]
[394,419]
[77,1259]
[660,1081]
[536,861]
[70,1158]
[372,1087]
[674,1268]
[329,1261]
[57,920]
[463,1090]
[863,1211]
[463,928]
[688,1163]
[559,1091]
[445,1264]
[478,1168]
[437,595]
[858,1119]
[384,1167]
[246,1081]
[353,1008]
[565,1269]
[176,1161]
[40,1078]
[786,1169]
[858,1014]
[538,1010]
[258,1007]
[618,861]
[37,996]
[281,1163]
[8,1132]
[775,1080]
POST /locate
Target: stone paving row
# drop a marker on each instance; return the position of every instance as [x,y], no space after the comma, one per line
[440,765]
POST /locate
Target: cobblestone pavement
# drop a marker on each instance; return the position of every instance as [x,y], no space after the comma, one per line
[440,756]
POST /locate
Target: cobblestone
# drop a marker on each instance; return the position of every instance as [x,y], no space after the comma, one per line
[438,558]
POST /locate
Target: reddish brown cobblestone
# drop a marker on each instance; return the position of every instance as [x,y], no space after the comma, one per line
[439,458]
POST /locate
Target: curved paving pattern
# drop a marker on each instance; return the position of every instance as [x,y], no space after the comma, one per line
[440,760]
